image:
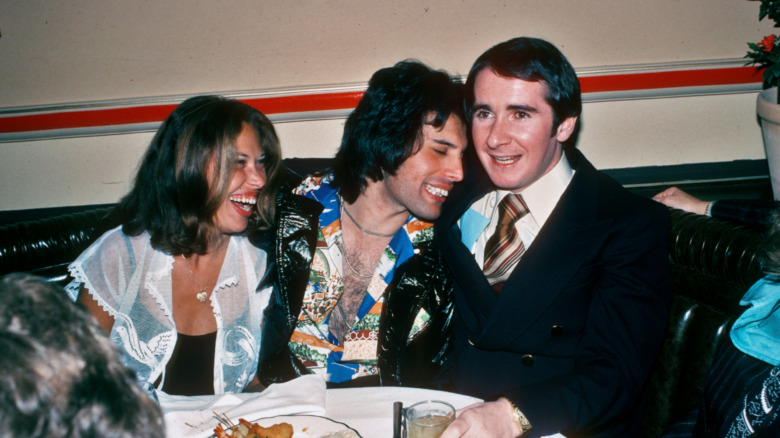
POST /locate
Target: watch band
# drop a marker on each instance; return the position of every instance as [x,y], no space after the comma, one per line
[520,419]
[708,209]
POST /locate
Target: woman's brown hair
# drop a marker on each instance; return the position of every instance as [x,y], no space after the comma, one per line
[172,198]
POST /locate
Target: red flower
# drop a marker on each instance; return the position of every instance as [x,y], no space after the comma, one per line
[768,43]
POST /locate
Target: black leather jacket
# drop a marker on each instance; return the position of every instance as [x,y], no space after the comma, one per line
[421,282]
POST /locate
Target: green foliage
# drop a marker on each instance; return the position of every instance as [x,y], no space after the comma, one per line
[765,54]
[771,9]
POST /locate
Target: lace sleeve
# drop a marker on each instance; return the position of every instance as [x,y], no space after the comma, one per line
[104,269]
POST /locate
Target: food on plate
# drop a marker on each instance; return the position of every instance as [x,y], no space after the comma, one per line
[245,429]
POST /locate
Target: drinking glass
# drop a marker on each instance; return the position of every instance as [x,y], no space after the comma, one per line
[428,419]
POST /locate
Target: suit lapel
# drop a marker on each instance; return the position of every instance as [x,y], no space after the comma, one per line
[569,237]
[477,302]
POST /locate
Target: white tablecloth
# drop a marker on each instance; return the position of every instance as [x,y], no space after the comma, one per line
[367,410]
[193,417]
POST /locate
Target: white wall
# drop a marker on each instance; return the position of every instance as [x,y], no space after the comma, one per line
[63,52]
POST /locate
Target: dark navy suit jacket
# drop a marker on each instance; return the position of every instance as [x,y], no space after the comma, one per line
[573,335]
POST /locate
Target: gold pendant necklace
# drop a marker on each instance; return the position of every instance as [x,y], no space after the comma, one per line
[203,295]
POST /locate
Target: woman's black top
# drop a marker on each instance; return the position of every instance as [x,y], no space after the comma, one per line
[191,368]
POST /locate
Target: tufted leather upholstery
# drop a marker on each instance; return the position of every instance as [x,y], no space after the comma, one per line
[713,264]
[45,247]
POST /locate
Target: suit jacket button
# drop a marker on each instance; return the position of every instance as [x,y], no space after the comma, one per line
[528,360]
[471,343]
[556,330]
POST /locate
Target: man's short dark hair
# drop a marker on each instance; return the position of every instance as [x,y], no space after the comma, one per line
[60,375]
[382,131]
[533,60]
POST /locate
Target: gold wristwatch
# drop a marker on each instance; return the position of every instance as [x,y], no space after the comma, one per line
[519,418]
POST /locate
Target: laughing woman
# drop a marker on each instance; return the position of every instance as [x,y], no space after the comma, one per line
[175,283]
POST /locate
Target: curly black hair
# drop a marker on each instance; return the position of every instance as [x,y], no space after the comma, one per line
[384,129]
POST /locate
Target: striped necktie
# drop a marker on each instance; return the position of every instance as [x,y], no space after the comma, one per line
[504,248]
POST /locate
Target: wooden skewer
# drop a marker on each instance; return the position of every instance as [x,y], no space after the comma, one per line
[224,419]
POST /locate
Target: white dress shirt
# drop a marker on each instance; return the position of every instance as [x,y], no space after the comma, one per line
[481,219]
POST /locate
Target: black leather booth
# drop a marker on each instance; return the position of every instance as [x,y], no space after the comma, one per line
[713,262]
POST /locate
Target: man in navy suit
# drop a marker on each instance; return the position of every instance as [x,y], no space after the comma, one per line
[560,337]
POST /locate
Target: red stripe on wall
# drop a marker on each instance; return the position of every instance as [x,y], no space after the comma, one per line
[306,102]
[347,100]
[86,118]
[158,113]
[671,79]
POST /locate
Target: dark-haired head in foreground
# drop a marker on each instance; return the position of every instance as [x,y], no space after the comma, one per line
[60,375]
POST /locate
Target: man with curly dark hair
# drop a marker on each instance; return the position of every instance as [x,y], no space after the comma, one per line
[361,295]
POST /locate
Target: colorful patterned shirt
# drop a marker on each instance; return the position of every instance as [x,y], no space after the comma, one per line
[311,342]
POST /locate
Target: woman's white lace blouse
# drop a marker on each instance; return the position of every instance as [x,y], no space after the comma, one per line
[132,282]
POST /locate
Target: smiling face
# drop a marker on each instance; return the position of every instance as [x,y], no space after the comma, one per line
[512,128]
[422,182]
[245,183]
